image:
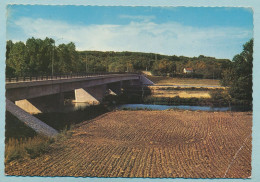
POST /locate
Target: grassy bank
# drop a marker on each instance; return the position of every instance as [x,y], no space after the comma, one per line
[184,101]
[181,88]
[242,105]
[160,80]
[22,141]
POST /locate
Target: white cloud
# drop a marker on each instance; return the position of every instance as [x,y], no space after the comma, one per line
[167,38]
[138,18]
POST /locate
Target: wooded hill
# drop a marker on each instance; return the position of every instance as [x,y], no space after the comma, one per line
[37,56]
[204,67]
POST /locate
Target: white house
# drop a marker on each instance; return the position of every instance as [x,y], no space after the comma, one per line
[187,70]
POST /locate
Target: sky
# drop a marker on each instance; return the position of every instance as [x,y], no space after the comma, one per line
[183,31]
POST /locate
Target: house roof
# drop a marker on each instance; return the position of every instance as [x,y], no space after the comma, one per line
[188,69]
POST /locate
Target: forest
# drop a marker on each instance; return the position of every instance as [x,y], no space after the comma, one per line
[37,57]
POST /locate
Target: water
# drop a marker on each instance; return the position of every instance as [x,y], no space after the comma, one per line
[76,106]
[73,106]
[165,107]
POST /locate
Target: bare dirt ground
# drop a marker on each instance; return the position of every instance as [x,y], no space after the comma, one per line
[156,144]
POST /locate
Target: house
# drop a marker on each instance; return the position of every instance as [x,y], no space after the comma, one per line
[188,70]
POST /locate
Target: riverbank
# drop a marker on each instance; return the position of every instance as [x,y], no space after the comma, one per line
[161,80]
[158,144]
[23,142]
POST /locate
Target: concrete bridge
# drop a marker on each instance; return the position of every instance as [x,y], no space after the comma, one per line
[47,95]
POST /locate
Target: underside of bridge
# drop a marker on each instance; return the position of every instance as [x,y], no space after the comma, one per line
[55,102]
[50,97]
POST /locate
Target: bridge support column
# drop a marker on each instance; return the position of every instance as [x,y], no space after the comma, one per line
[115,88]
[91,95]
[50,103]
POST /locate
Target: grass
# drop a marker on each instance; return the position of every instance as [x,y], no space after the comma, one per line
[160,80]
[23,142]
[168,88]
[181,94]
[32,147]
[184,101]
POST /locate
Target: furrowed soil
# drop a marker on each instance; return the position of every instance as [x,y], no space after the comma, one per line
[155,144]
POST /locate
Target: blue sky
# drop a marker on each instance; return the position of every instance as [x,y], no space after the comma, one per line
[188,31]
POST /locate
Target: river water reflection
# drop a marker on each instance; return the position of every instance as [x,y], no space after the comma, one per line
[73,106]
[165,107]
[77,106]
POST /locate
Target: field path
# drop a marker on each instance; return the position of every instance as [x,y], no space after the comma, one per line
[157,144]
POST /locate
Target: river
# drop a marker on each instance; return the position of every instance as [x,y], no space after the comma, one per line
[76,106]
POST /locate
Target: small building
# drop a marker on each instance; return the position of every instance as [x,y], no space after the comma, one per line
[188,70]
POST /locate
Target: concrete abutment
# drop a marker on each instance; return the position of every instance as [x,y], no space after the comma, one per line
[44,104]
[91,95]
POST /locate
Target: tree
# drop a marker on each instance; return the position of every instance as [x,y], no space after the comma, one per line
[238,77]
[17,59]
[117,66]
[164,66]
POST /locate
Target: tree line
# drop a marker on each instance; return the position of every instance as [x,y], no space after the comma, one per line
[37,56]
[159,65]
[238,76]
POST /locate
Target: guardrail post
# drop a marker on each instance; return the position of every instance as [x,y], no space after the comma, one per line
[17,79]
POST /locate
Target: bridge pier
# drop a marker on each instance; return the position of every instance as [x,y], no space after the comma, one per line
[31,121]
[91,95]
[115,88]
[50,103]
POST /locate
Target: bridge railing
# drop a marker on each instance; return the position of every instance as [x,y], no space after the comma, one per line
[60,76]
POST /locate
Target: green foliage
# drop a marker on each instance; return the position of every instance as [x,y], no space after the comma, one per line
[116,67]
[186,101]
[37,56]
[163,67]
[220,96]
[238,75]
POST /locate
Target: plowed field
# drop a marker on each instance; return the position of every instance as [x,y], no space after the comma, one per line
[156,144]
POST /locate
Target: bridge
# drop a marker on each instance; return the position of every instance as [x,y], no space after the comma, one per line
[30,95]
